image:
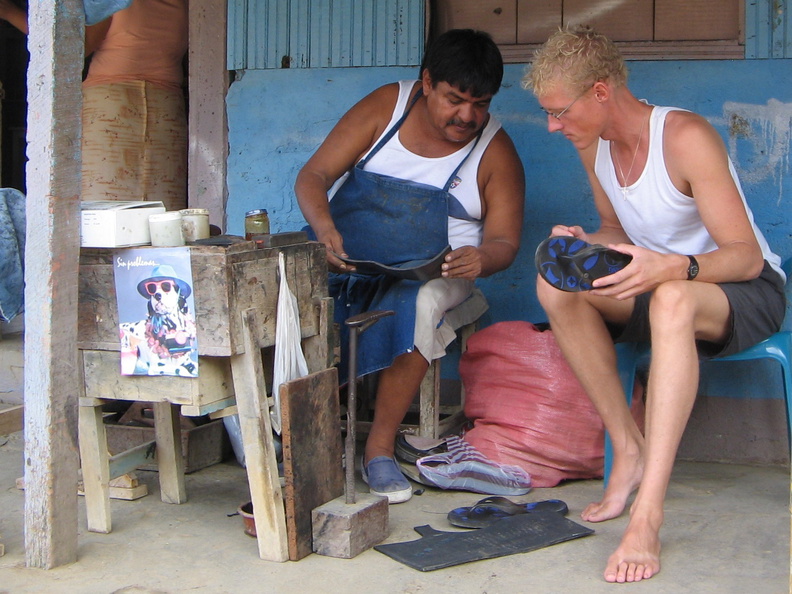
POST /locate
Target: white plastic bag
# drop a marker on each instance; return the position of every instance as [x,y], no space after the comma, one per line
[289,359]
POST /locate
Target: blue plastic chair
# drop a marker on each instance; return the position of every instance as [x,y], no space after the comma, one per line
[778,347]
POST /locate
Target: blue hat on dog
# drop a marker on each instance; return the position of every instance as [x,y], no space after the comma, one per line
[163,272]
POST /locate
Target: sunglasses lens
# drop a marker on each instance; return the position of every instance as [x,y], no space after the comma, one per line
[164,286]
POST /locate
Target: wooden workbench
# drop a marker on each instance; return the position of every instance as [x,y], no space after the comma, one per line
[235,291]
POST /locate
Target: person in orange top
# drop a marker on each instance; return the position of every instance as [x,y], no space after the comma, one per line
[134,143]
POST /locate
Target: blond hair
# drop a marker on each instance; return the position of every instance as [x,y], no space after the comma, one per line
[577,58]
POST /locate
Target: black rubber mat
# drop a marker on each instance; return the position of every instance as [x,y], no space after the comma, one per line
[517,534]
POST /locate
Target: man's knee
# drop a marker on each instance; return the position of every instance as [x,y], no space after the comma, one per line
[553,299]
[672,303]
[546,293]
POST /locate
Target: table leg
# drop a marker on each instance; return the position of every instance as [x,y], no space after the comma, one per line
[262,466]
[170,462]
[95,462]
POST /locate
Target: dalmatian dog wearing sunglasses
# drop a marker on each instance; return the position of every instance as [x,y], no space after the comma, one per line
[164,341]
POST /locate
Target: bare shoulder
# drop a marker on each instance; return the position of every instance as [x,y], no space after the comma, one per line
[696,157]
[687,132]
[501,152]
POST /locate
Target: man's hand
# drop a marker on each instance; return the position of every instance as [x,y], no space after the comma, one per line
[647,270]
[335,247]
[464,262]
[574,231]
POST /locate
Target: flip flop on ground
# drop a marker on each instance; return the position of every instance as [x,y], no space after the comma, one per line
[492,509]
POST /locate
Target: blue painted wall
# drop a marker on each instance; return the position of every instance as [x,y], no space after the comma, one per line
[277,118]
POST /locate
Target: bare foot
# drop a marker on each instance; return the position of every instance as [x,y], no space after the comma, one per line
[624,479]
[638,555]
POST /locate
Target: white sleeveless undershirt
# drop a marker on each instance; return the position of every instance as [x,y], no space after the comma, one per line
[395,160]
[656,215]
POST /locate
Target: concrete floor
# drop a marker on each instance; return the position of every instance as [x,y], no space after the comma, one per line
[727,530]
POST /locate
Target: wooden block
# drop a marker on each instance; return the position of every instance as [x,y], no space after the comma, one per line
[128,494]
[128,480]
[345,530]
[11,420]
[312,452]
[123,493]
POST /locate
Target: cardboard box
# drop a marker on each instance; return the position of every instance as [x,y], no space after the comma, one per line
[112,223]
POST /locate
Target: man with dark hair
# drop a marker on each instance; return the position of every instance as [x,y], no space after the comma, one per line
[430,151]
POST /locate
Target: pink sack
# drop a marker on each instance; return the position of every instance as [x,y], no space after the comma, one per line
[527,407]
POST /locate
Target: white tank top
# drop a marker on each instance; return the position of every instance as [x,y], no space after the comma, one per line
[656,215]
[395,160]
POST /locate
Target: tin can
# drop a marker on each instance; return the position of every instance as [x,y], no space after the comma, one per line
[256,223]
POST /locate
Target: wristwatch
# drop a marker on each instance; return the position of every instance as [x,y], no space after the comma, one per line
[693,268]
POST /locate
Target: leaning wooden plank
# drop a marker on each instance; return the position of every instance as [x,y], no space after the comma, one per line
[262,466]
[132,459]
[312,453]
[54,131]
[11,420]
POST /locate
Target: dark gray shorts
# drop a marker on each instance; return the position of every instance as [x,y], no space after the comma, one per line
[757,311]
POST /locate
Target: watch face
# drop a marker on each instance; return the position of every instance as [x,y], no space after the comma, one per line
[693,269]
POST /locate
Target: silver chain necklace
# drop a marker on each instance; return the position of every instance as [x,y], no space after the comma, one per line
[623,185]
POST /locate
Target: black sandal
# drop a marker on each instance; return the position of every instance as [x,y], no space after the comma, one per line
[492,509]
[570,264]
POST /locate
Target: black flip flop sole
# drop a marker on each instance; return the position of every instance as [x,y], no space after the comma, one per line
[570,264]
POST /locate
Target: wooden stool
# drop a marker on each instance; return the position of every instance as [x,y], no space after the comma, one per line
[434,419]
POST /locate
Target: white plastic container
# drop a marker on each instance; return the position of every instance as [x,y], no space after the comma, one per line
[195,223]
[166,229]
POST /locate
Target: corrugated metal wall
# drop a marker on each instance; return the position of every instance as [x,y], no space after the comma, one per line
[324,33]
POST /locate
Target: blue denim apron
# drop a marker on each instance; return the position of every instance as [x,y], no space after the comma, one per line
[391,221]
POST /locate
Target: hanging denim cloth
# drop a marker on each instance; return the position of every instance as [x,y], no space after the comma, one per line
[391,221]
[12,253]
[98,10]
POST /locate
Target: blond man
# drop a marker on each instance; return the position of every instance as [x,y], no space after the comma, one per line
[702,281]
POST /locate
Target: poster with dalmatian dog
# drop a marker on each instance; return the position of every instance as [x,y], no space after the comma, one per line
[155,312]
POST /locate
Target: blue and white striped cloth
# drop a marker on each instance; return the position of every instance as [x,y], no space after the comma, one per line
[464,468]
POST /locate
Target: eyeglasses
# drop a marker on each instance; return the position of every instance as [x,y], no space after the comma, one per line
[563,111]
[154,286]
